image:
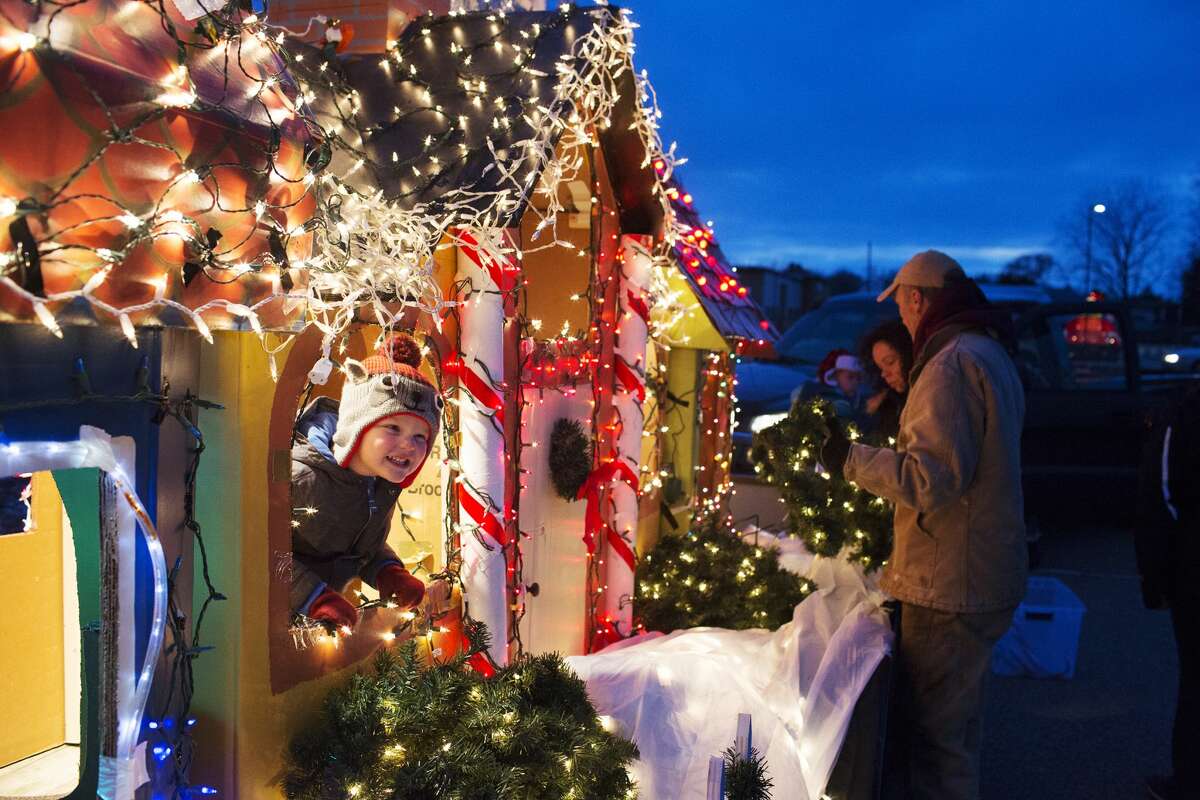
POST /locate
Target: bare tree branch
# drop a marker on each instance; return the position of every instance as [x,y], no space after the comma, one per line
[1126,239]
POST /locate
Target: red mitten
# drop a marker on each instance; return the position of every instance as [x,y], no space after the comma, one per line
[329,606]
[397,583]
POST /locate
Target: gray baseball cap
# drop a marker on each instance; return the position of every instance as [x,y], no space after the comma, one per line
[928,269]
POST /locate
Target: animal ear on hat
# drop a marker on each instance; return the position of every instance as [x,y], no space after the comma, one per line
[356,371]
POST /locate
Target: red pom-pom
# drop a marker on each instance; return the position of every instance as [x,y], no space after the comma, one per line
[401,348]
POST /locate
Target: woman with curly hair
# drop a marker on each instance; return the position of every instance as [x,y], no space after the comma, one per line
[888,348]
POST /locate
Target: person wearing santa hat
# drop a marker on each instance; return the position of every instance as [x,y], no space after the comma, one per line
[351,461]
[838,380]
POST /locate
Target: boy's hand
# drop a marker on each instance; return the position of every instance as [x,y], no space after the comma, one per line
[331,607]
[397,584]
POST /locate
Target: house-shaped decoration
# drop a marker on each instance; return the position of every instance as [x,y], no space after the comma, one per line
[228,215]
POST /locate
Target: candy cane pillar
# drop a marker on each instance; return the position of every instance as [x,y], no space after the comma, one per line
[629,367]
[486,277]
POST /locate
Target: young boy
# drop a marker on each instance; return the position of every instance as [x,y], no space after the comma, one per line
[838,380]
[351,462]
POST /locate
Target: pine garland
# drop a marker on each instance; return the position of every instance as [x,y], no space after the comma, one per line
[712,577]
[829,513]
[413,731]
[570,457]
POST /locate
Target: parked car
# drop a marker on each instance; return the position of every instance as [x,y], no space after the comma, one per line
[766,389]
[1086,400]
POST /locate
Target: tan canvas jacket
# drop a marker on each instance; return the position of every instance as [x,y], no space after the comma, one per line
[955,477]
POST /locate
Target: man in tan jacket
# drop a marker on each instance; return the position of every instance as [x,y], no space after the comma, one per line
[959,562]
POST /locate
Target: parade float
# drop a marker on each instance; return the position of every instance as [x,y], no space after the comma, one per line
[205,215]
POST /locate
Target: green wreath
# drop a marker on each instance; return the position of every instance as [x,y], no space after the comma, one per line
[829,513]
[570,457]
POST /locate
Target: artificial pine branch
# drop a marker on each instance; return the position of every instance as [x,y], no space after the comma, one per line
[746,778]
[828,512]
[408,730]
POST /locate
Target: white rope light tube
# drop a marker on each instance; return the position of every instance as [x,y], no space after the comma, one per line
[120,775]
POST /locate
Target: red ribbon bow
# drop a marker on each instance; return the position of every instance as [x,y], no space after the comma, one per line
[593,521]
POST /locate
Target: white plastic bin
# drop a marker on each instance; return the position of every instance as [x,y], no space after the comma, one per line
[1044,638]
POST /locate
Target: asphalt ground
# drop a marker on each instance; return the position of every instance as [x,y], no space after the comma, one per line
[1098,734]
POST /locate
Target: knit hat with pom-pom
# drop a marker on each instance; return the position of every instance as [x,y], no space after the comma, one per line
[386,384]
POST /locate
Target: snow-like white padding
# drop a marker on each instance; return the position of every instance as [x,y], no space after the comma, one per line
[121,775]
[678,696]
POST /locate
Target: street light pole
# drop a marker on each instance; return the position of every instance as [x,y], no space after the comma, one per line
[1099,208]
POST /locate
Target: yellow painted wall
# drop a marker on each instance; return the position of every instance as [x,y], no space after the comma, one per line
[32,704]
[243,729]
[681,445]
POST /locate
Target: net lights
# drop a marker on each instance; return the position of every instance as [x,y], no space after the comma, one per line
[356,246]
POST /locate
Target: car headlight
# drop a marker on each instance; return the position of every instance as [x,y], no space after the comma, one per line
[764,421]
[1171,358]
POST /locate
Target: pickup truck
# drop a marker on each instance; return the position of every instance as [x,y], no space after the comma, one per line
[1086,404]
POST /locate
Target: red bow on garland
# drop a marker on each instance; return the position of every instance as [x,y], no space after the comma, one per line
[593,521]
[606,634]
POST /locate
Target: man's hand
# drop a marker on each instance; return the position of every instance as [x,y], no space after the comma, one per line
[835,450]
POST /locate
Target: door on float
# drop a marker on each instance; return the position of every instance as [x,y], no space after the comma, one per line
[32,657]
[554,556]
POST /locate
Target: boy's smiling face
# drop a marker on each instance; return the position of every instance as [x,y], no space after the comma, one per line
[392,448]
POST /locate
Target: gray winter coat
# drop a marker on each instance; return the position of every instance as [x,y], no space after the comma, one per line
[346,537]
[955,477]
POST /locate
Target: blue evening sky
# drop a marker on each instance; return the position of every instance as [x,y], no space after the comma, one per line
[814,126]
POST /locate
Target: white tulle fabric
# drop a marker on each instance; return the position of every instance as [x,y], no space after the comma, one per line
[678,696]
